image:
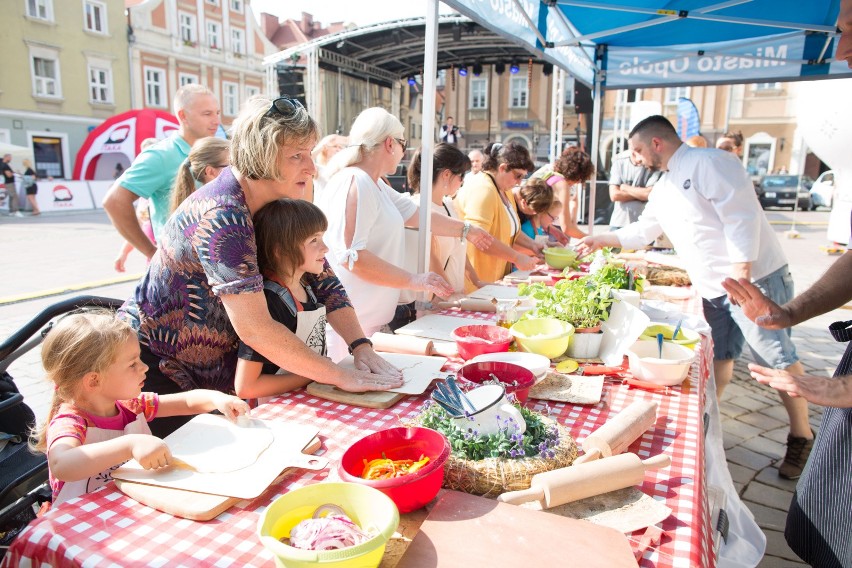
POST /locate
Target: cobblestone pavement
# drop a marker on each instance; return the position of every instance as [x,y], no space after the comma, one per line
[56,252]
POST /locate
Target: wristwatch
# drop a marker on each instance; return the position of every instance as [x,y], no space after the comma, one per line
[465,230]
[357,342]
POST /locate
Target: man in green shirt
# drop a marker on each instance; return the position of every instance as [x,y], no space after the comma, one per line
[153,171]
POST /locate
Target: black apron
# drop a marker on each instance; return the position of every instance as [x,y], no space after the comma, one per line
[819,523]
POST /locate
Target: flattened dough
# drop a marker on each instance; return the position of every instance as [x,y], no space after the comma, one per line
[214,444]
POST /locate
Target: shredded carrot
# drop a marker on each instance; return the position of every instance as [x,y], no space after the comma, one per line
[384,468]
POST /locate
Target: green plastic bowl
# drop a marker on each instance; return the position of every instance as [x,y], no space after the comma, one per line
[559,257]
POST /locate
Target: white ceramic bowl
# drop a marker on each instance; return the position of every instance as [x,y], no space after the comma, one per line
[538,364]
[670,370]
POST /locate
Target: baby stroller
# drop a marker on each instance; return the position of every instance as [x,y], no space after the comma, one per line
[23,474]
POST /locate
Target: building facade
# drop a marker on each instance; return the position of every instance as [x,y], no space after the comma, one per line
[216,43]
[64,71]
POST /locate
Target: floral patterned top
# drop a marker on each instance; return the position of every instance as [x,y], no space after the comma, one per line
[208,249]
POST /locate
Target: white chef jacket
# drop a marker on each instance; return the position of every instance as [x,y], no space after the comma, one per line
[706,205]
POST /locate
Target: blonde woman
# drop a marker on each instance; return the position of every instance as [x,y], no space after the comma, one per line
[30,185]
[322,154]
[208,157]
[366,225]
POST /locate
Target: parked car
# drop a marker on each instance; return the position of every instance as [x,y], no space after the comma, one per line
[822,191]
[784,190]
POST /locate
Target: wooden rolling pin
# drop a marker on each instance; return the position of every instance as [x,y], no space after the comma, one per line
[567,484]
[619,431]
[470,304]
[410,345]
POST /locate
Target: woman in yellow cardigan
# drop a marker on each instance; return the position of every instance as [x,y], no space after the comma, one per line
[486,201]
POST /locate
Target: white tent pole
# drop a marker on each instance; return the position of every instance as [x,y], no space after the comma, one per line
[555,114]
[427,143]
[596,140]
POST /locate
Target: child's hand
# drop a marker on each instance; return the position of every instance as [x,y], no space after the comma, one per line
[150,451]
[230,406]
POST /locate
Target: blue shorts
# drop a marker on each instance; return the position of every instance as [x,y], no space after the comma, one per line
[731,329]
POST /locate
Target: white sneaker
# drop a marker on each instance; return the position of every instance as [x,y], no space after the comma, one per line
[18,214]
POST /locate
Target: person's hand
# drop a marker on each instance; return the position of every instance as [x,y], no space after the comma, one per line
[480,238]
[368,360]
[538,249]
[120,261]
[756,307]
[818,390]
[525,262]
[150,451]
[430,282]
[588,245]
[363,381]
[230,406]
[557,234]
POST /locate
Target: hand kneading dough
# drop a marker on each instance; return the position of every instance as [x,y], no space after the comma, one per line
[214,444]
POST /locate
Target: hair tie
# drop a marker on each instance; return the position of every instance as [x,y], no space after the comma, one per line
[187,163]
[495,149]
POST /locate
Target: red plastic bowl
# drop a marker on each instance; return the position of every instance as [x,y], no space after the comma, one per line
[411,491]
[473,340]
[474,374]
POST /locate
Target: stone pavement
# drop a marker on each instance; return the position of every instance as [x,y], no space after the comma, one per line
[50,252]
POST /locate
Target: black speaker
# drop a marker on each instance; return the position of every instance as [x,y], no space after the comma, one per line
[291,82]
[582,98]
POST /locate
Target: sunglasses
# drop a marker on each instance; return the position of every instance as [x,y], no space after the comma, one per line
[402,142]
[285,106]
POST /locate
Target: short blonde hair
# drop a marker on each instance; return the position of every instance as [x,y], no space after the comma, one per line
[184,95]
[369,131]
[256,138]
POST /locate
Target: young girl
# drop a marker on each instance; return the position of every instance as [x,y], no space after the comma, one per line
[547,224]
[208,157]
[99,414]
[289,236]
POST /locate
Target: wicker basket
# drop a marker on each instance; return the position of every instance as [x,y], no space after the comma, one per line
[492,476]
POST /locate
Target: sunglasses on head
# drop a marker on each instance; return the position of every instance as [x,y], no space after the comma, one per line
[285,106]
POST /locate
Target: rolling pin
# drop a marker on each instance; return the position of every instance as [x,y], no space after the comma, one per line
[470,304]
[389,343]
[568,484]
[619,432]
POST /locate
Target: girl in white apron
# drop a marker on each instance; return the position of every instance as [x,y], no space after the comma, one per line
[289,235]
[93,360]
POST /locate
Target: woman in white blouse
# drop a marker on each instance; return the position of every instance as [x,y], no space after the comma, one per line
[366,224]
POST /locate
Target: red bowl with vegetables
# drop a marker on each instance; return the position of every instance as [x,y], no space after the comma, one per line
[393,458]
[473,340]
[515,379]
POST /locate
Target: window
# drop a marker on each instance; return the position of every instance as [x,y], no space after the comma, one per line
[238,44]
[187,78]
[95,16]
[213,2]
[100,85]
[776,86]
[252,91]
[674,93]
[569,91]
[230,99]
[518,92]
[46,77]
[40,9]
[187,28]
[155,87]
[237,5]
[214,37]
[478,93]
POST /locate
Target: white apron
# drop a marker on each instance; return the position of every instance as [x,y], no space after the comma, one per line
[71,489]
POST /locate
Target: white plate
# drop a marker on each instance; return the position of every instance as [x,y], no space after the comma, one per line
[538,364]
[659,309]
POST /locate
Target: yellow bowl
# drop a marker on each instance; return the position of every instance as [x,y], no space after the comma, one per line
[559,257]
[686,337]
[544,336]
[368,508]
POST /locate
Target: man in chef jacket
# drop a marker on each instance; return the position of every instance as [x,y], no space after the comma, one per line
[705,203]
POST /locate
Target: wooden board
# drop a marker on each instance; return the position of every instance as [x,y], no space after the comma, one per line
[246,483]
[466,530]
[372,399]
[190,504]
[418,371]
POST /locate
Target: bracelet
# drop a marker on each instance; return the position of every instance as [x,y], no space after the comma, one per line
[465,231]
[360,341]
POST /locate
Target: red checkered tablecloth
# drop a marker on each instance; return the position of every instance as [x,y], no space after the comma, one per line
[108,529]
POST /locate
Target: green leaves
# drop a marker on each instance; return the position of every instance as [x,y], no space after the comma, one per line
[583,302]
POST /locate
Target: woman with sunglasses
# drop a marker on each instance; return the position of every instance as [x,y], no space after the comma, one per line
[366,225]
[203,293]
[486,201]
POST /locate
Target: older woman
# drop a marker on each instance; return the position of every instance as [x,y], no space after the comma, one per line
[571,168]
[367,220]
[324,151]
[486,200]
[203,292]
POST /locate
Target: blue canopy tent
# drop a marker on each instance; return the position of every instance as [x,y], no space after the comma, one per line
[619,44]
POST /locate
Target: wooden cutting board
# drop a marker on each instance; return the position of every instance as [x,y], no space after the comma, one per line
[372,399]
[467,530]
[247,483]
[190,504]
